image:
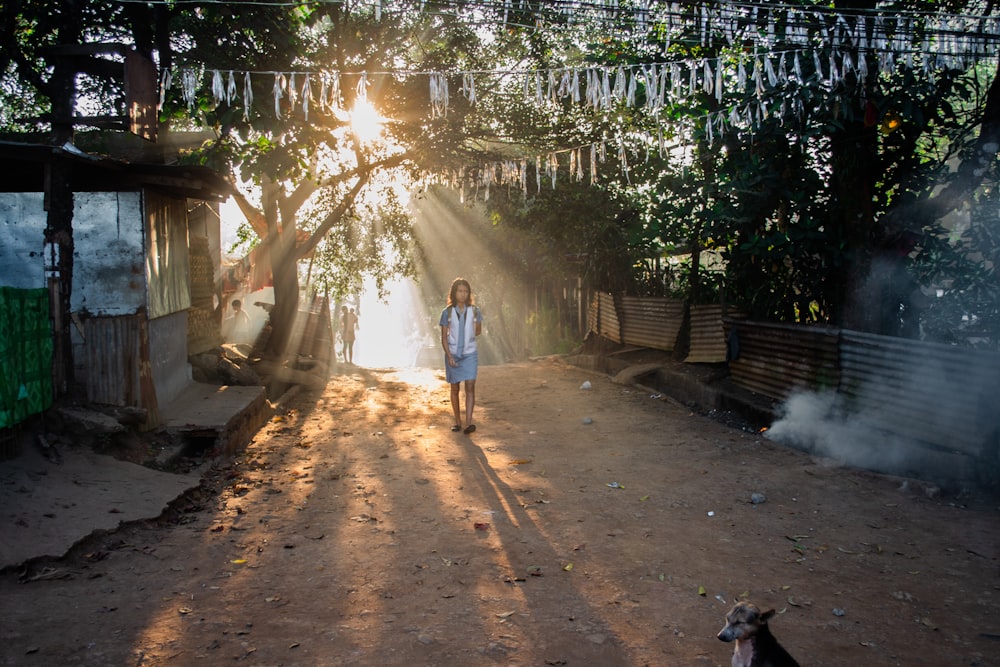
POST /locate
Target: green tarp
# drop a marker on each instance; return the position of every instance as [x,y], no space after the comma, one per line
[25,354]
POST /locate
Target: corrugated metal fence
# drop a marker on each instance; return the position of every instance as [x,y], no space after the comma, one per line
[934,393]
[940,395]
[603,317]
[776,359]
[708,338]
[654,322]
[650,322]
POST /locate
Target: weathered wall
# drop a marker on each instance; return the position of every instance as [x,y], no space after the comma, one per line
[108,240]
[108,266]
[22,221]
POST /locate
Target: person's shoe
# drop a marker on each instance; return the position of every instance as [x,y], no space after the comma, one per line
[456,428]
[471,428]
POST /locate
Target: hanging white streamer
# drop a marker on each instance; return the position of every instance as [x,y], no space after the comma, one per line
[772,78]
[620,83]
[469,87]
[623,158]
[279,84]
[189,86]
[247,95]
[565,86]
[218,87]
[362,89]
[165,83]
[336,99]
[293,93]
[718,82]
[231,88]
[439,95]
[306,97]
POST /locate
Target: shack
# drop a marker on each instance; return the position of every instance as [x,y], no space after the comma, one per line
[146,261]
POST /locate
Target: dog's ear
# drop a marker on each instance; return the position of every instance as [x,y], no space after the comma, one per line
[766,615]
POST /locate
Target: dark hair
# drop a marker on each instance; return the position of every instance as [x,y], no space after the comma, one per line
[454,290]
[237,303]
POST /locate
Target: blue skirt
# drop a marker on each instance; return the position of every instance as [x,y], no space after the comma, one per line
[466,369]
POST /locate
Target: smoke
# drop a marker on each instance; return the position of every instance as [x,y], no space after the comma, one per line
[818,423]
[812,421]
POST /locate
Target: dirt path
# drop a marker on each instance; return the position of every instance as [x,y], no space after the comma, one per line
[358,530]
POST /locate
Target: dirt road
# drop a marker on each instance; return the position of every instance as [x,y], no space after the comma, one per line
[576,527]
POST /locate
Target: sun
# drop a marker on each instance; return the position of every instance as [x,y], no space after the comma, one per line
[366,122]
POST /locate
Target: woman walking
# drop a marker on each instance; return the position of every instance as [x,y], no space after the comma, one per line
[461,322]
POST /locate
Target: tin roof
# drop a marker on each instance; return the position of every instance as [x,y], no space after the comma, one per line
[24,167]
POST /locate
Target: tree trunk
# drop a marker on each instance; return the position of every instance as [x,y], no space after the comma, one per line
[59,201]
[284,270]
[854,168]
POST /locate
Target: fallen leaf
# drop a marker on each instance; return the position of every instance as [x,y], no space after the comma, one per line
[568,566]
[701,590]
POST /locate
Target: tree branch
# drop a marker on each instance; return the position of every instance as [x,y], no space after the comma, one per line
[968,176]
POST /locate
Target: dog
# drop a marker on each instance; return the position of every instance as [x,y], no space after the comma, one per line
[755,645]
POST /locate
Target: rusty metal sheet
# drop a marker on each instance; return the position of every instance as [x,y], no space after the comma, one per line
[708,336]
[111,360]
[651,322]
[938,394]
[776,359]
[604,317]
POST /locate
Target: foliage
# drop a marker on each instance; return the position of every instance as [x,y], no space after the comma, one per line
[967,269]
[829,208]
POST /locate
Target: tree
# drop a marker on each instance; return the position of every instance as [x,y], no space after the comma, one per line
[314,172]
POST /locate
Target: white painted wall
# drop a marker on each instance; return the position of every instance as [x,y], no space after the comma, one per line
[22,222]
[109,274]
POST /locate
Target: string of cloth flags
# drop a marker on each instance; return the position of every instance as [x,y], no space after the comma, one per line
[838,46]
[945,41]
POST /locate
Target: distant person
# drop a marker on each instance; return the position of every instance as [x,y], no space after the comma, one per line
[348,326]
[239,323]
[461,321]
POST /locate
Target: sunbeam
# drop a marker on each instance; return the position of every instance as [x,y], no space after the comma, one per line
[391,332]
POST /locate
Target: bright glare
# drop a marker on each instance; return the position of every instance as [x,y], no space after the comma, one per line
[394,333]
[366,122]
